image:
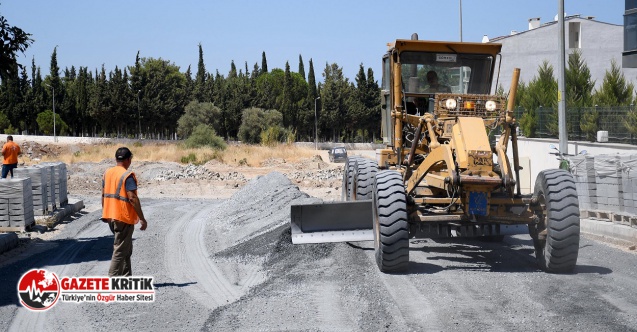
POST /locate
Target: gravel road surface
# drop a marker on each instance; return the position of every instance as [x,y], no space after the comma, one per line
[229,265]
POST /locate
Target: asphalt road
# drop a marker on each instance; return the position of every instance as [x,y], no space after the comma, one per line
[229,265]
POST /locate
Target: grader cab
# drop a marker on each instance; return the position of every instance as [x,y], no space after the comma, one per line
[440,175]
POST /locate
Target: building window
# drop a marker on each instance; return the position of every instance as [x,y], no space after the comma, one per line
[574,32]
[630,32]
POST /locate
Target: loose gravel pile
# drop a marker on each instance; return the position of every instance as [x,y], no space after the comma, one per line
[260,206]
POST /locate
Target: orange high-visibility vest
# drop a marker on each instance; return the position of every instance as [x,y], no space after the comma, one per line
[10,151]
[116,204]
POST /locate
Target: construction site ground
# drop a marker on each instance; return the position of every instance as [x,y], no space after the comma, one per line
[218,245]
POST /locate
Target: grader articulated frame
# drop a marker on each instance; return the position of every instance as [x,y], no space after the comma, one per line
[440,176]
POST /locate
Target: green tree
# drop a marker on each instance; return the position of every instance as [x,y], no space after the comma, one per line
[13,40]
[614,90]
[333,100]
[233,70]
[10,97]
[357,109]
[197,113]
[190,84]
[200,81]
[120,105]
[264,63]
[269,87]
[301,67]
[83,88]
[162,96]
[45,123]
[541,92]
[68,108]
[54,81]
[98,104]
[287,108]
[579,86]
[372,96]
[4,122]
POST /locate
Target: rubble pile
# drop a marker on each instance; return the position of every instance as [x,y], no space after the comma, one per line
[35,150]
[197,173]
[317,175]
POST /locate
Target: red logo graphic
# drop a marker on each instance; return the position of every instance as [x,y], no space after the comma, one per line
[38,289]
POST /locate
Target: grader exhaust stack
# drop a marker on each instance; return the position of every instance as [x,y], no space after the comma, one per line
[440,175]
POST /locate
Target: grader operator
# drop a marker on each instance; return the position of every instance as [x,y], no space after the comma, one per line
[440,175]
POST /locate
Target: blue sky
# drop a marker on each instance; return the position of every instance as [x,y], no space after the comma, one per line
[93,32]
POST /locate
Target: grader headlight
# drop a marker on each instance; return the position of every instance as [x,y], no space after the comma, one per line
[451,104]
[490,105]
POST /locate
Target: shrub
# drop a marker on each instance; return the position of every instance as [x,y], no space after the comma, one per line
[270,136]
[205,135]
[11,131]
[252,122]
[190,158]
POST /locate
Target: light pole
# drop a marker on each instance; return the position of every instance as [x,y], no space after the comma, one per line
[315,125]
[52,88]
[139,118]
[460,11]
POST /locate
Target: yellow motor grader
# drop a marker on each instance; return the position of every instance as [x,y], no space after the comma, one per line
[440,175]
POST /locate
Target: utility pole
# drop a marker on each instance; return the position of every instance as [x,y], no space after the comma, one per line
[139,118]
[561,84]
[315,125]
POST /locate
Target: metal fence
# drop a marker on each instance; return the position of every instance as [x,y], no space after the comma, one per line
[612,119]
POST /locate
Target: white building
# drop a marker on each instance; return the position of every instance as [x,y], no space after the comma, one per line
[598,42]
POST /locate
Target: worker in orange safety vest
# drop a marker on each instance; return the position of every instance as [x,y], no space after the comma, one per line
[10,152]
[121,209]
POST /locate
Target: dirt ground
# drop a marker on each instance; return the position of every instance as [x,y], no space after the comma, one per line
[315,176]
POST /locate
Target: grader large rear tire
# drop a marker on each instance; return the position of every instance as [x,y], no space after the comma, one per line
[391,230]
[364,178]
[558,231]
[348,187]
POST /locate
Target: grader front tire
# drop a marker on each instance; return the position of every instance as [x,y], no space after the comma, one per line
[558,231]
[391,230]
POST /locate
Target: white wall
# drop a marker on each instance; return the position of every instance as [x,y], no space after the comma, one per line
[540,158]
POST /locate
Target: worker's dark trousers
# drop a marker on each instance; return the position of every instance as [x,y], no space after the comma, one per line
[122,249]
[8,168]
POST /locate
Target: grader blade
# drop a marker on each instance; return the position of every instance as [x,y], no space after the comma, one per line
[332,222]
